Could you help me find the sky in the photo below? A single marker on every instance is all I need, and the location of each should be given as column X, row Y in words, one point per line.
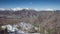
column 34, row 4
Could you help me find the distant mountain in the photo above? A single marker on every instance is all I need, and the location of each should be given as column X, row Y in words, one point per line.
column 23, row 12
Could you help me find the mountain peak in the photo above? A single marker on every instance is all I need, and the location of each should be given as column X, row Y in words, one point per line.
column 14, row 9
column 18, row 9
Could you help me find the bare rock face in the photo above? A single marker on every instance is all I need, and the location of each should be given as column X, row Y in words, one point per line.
column 28, row 27
column 24, row 28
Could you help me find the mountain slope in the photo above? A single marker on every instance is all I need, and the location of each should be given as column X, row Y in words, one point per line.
column 43, row 19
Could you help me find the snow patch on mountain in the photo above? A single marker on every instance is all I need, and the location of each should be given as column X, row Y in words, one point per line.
column 18, row 9
column 48, row 9
column 2, row 9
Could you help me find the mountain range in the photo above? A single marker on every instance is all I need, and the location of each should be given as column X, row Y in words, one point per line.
column 45, row 18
